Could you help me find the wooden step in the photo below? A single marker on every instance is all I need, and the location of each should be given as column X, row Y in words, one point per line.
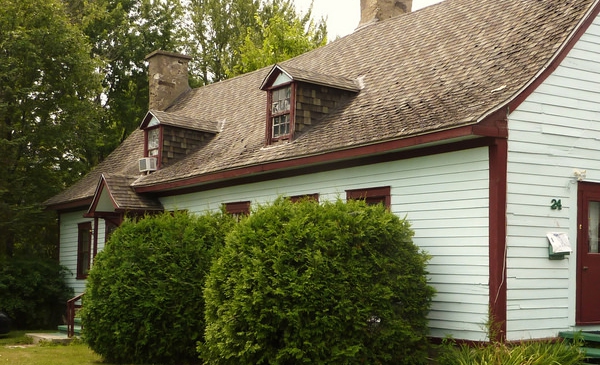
column 589, row 338
column 591, row 352
column 63, row 329
column 585, row 336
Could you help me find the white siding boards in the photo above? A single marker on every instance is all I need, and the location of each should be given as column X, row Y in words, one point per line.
column 554, row 131
column 68, row 247
column 445, row 197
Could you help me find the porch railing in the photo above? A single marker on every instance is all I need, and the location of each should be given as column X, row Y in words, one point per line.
column 72, row 307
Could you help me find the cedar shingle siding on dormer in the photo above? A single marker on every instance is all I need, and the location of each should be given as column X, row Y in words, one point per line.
column 313, row 102
column 179, row 142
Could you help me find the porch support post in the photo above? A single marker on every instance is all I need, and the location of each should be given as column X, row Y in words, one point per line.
column 95, row 251
column 498, row 156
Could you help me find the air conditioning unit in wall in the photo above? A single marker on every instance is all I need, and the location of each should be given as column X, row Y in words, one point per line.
column 147, row 164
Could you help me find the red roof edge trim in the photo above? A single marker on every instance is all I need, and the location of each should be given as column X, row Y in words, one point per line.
column 102, row 184
column 147, row 118
column 516, row 100
column 272, row 76
column 493, row 127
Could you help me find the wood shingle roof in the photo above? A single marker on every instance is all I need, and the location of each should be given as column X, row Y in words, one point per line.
column 443, row 67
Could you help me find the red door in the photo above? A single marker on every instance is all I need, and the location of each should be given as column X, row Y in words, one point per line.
column 588, row 254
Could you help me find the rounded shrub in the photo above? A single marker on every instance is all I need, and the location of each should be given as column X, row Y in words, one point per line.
column 144, row 301
column 310, row 283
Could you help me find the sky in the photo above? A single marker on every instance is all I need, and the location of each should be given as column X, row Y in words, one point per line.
column 343, row 15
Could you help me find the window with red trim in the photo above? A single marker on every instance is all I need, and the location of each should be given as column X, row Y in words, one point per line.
column 84, row 249
column 379, row 195
column 238, row 209
column 153, row 142
column 280, row 123
column 297, row 198
column 109, row 228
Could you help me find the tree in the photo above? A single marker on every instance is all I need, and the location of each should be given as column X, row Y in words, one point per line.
column 33, row 291
column 217, row 29
column 143, row 300
column 311, row 283
column 47, row 118
column 227, row 37
column 280, row 37
column 122, row 33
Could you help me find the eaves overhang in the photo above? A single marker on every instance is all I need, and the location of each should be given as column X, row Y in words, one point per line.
column 311, row 77
column 104, row 194
column 71, row 205
column 495, row 126
column 180, row 121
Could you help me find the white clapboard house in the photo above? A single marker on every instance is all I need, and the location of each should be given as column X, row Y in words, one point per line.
column 478, row 120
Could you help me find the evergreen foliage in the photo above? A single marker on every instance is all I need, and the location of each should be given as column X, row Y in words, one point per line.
column 280, row 37
column 47, row 119
column 122, row 33
column 231, row 37
column 33, row 292
column 310, row 283
column 144, row 300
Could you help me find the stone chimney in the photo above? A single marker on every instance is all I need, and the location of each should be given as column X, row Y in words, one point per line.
column 168, row 78
column 375, row 10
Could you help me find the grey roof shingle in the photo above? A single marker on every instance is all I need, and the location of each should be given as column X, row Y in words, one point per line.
column 122, row 161
column 185, row 121
column 442, row 67
column 125, row 197
column 316, row 78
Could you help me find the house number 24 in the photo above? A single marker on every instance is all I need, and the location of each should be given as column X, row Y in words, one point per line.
column 555, row 204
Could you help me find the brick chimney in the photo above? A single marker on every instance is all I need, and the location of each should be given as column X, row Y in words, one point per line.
column 168, row 78
column 375, row 10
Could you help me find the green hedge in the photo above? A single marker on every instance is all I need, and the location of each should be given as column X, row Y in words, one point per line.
column 310, row 283
column 144, row 301
column 33, row 292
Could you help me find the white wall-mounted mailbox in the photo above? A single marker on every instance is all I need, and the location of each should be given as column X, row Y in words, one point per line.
column 558, row 245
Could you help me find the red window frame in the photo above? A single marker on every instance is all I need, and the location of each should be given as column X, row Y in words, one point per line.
column 84, row 249
column 289, row 112
column 378, row 195
column 109, row 227
column 238, row 209
column 160, row 143
column 297, row 198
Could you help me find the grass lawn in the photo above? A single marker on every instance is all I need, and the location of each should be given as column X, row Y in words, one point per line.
column 15, row 349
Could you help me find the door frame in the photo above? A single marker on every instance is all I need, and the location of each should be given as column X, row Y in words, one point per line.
column 586, row 191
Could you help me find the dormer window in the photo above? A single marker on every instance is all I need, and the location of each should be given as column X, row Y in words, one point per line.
column 153, row 142
column 169, row 137
column 281, row 113
column 297, row 99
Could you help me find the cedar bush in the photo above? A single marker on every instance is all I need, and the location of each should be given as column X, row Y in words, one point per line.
column 144, row 300
column 33, row 291
column 309, row 283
